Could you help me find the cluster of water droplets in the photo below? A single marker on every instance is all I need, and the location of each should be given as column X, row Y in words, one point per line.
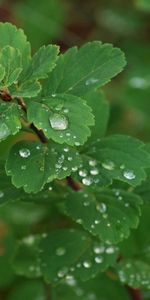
column 89, row 175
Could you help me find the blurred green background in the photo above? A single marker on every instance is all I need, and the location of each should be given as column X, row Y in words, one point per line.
column 125, row 23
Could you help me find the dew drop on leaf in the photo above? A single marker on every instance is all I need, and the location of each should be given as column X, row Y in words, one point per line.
column 98, row 259
column 87, row 181
column 87, row 264
column 92, row 163
column 101, row 207
column 24, row 152
column 91, row 81
column 60, row 251
column 4, row 131
column 108, row 165
column 94, row 172
column 1, row 194
column 129, row 174
column 58, row 122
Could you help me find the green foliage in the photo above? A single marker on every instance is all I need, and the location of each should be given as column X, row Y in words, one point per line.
column 70, row 196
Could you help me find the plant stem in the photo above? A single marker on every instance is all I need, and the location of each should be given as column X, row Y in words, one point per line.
column 134, row 293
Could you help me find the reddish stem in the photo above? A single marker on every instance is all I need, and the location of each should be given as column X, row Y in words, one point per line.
column 134, row 293
column 73, row 184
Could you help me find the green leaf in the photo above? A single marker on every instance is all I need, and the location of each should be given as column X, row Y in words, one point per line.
column 7, row 191
column 42, row 163
column 11, row 36
column 27, row 89
column 43, row 61
column 100, row 287
column 11, row 60
column 118, row 157
column 61, row 118
column 108, row 214
column 80, row 71
column 28, row 290
column 10, row 119
column 135, row 273
column 25, row 261
column 69, row 251
column 143, row 5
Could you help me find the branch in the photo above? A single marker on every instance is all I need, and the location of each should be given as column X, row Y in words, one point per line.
column 134, row 293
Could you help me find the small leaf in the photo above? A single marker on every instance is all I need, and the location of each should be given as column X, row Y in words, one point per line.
column 108, row 214
column 26, row 90
column 11, row 36
column 135, row 273
column 11, row 60
column 7, row 191
column 10, row 119
column 80, row 71
column 119, row 157
column 25, row 260
column 69, row 251
column 61, row 118
column 42, row 63
column 42, row 163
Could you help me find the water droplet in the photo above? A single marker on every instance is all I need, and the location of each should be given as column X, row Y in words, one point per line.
column 94, row 171
column 29, row 240
column 62, row 272
column 23, row 167
column 66, row 149
column 86, row 203
column 98, row 249
column 60, row 251
column 91, row 81
column 129, row 174
column 108, row 165
column 70, row 158
column 24, row 152
column 87, row 181
column 4, row 131
column 83, row 173
column 1, row 194
column 101, row 207
column 77, row 144
column 87, row 264
column 58, row 122
column 98, row 259
column 110, row 250
column 74, row 169
column 92, row 163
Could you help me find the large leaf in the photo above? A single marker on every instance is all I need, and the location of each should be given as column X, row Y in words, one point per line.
column 11, row 60
column 41, row 64
column 79, row 71
column 10, row 119
column 32, row 164
column 25, row 261
column 108, row 214
column 115, row 157
column 11, row 36
column 61, row 118
column 69, row 251
column 26, row 89
column 98, row 288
